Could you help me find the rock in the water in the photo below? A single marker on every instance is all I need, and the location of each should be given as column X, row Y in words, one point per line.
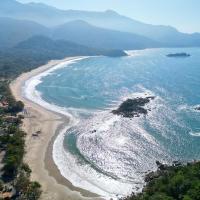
column 197, row 108
column 133, row 107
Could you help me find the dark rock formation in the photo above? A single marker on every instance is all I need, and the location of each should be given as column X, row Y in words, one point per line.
column 152, row 175
column 133, row 107
column 197, row 108
column 161, row 166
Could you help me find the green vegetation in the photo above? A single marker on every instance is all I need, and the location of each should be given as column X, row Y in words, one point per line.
column 13, row 143
column 15, row 174
column 173, row 183
column 26, row 189
column 39, row 50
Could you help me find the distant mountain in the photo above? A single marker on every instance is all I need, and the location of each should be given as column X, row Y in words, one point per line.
column 14, row 31
column 50, row 16
column 86, row 34
column 38, row 12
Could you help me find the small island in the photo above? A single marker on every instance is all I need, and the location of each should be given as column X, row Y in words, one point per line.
column 178, row 55
column 133, row 107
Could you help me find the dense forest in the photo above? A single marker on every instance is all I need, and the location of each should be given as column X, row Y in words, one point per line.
column 181, row 182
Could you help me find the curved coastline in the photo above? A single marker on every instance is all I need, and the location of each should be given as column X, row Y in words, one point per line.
column 39, row 150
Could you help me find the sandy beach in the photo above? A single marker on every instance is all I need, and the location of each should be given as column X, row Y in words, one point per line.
column 39, row 148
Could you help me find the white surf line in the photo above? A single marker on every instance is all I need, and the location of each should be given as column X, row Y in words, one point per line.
column 30, row 93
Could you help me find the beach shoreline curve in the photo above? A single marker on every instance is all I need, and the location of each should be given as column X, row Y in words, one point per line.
column 39, row 149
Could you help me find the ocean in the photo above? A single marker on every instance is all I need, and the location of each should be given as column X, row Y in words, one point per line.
column 108, row 154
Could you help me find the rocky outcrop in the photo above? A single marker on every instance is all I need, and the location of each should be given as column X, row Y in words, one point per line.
column 133, row 107
column 197, row 108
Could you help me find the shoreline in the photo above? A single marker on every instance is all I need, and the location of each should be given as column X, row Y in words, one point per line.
column 39, row 149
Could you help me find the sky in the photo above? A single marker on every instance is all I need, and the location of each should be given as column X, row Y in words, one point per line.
column 182, row 14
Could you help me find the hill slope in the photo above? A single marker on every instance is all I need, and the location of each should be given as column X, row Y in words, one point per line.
column 38, row 50
column 44, row 46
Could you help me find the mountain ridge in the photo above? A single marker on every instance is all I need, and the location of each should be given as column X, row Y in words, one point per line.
column 14, row 31
column 86, row 34
column 51, row 17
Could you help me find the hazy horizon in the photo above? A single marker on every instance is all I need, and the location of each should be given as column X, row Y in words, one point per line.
column 180, row 14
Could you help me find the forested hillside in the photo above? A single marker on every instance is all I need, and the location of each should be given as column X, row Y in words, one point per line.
column 172, row 183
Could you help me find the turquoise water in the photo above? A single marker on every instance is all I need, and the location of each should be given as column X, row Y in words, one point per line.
column 110, row 149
